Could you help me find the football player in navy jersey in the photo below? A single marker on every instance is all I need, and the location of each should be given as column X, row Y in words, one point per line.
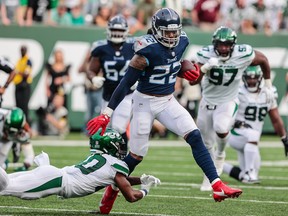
column 155, row 65
column 112, row 57
column 8, row 68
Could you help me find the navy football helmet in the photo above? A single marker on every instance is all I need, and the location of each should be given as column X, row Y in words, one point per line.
column 252, row 78
column 224, row 40
column 166, row 27
column 117, row 29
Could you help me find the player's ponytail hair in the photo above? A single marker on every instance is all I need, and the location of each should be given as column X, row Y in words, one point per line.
column 149, row 31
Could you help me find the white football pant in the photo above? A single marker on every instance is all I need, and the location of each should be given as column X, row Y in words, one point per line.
column 166, row 110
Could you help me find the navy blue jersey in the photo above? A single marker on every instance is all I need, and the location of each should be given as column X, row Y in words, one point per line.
column 113, row 63
column 159, row 76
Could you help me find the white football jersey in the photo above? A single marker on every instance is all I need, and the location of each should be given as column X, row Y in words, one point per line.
column 253, row 107
column 91, row 175
column 221, row 84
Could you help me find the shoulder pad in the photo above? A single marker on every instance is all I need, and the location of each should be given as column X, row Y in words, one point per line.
column 130, row 40
column 143, row 42
column 242, row 90
column 97, row 44
column 274, row 89
column 205, row 52
column 183, row 34
column 243, row 51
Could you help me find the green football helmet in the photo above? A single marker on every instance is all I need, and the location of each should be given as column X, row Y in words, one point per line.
column 110, row 143
column 252, row 78
column 15, row 119
column 224, row 40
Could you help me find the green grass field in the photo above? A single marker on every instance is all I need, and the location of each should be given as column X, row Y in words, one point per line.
column 179, row 192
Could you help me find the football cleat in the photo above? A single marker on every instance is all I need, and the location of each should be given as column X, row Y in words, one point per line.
column 108, row 199
column 222, row 191
column 250, row 178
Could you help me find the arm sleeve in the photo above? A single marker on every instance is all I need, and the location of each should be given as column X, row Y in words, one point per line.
column 130, row 78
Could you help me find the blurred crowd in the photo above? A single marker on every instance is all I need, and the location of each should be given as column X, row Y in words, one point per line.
column 245, row 16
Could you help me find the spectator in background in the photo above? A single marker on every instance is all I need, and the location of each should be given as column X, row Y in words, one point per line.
column 70, row 4
column 240, row 16
column 60, row 16
column 57, row 76
column 89, row 9
column 119, row 5
column 145, row 10
column 284, row 24
column 77, row 15
column 53, row 120
column 102, row 17
column 206, row 14
column 9, row 11
column 175, row 4
column 23, row 80
column 188, row 5
column 275, row 13
column 133, row 23
column 8, row 68
column 93, row 93
column 39, row 11
column 22, row 12
column 263, row 16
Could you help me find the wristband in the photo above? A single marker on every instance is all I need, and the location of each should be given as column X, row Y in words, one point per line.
column 108, row 111
column 268, row 83
column 204, row 68
column 144, row 192
column 6, row 85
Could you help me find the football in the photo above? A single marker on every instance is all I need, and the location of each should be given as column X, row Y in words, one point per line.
column 186, row 65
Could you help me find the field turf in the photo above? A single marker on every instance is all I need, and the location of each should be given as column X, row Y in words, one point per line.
column 179, row 192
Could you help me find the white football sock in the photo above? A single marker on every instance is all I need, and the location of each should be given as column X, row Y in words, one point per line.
column 227, row 168
column 221, row 144
column 251, row 152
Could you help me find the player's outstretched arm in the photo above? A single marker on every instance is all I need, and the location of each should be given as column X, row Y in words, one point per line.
column 130, row 194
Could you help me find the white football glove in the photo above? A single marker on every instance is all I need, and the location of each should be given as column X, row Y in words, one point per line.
column 148, row 181
column 22, row 136
column 212, row 62
column 268, row 91
column 98, row 81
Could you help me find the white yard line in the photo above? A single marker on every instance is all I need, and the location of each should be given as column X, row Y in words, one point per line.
column 83, row 211
column 153, row 143
column 209, row 198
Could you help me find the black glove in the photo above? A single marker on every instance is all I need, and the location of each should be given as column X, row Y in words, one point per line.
column 285, row 143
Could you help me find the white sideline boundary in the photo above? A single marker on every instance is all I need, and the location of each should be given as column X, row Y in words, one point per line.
column 153, row 143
